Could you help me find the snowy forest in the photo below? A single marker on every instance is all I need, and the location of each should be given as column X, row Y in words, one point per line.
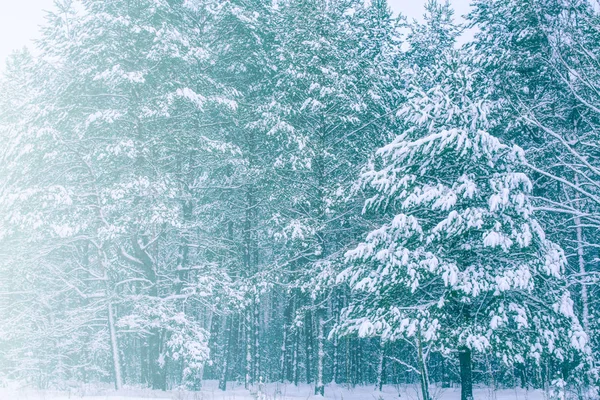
column 303, row 191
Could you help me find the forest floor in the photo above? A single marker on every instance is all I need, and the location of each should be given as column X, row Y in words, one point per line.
column 270, row 392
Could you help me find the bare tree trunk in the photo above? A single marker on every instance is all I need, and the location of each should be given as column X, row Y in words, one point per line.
column 348, row 361
column 226, row 350
column 248, row 337
column 585, row 313
column 208, row 321
column 144, row 373
column 283, row 365
column 257, row 375
column 114, row 344
column 380, row 365
column 115, row 348
column 356, row 364
column 320, row 386
column 423, row 368
column 309, row 349
column 295, row 374
column 336, row 368
column 466, row 374
column 445, row 375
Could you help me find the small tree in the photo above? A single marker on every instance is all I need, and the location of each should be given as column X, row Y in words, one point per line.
column 460, row 264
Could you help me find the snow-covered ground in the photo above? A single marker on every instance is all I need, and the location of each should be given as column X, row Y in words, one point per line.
column 270, row 392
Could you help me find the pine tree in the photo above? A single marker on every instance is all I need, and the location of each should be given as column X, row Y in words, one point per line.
column 461, row 262
column 538, row 58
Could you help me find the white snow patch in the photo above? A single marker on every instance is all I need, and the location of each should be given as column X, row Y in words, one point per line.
column 274, row 391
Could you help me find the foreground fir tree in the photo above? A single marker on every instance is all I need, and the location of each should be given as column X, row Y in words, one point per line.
column 541, row 62
column 461, row 264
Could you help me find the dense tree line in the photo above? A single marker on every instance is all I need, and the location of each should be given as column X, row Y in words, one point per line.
column 302, row 191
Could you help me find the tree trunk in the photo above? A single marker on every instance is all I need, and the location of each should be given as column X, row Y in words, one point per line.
column 466, row 374
column 423, row 368
column 282, row 358
column 320, row 386
column 257, row 375
column 155, row 363
column 348, row 362
column 248, row 337
column 145, row 378
column 356, row 364
column 309, row 349
column 296, row 376
column 336, row 367
column 114, row 344
column 445, row 374
column 585, row 313
column 287, row 316
column 227, row 345
column 115, row 348
column 380, row 365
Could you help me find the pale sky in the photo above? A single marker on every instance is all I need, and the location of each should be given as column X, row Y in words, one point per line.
column 20, row 19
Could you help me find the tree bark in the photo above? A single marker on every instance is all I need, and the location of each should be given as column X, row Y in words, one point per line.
column 466, row 374
column 248, row 337
column 295, row 375
column 226, row 350
column 336, row 367
column 284, row 363
column 154, row 360
column 320, row 386
column 380, row 365
column 309, row 349
column 585, row 313
column 115, row 348
column 423, row 368
column 257, row 340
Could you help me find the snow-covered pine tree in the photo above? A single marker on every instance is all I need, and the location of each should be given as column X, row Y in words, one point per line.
column 461, row 263
column 540, row 62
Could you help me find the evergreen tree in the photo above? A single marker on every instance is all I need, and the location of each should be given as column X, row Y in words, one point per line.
column 461, row 262
column 537, row 58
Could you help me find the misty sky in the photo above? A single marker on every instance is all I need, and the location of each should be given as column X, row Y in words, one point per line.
column 19, row 20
